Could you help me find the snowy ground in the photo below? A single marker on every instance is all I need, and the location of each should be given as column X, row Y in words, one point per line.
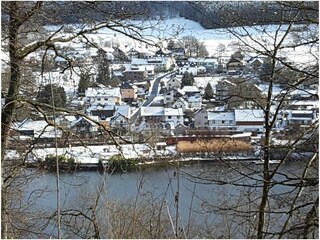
column 92, row 154
column 161, row 30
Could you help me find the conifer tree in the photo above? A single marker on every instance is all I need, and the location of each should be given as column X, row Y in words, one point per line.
column 83, row 82
column 187, row 79
column 208, row 91
column 103, row 75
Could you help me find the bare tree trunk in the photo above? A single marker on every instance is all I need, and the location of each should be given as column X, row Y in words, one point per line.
column 7, row 116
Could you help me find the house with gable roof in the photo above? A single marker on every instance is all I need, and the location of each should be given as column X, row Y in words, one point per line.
column 173, row 83
column 128, row 92
column 201, row 118
column 36, row 129
column 86, row 127
column 120, row 123
column 161, row 117
column 135, row 73
column 223, row 89
column 191, row 90
column 102, row 96
column 181, row 103
column 235, row 64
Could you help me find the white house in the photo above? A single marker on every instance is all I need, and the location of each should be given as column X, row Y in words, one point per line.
column 162, row 63
column 173, row 83
column 249, row 120
column 221, row 120
column 169, row 97
column 191, row 90
column 181, row 103
column 162, row 116
column 298, row 117
column 189, row 69
column 102, row 96
column 173, row 116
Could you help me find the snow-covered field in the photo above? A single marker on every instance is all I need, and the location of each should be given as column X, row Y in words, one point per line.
column 92, row 154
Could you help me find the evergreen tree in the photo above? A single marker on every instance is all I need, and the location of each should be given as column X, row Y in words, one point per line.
column 208, row 92
column 103, row 75
column 59, row 95
column 84, row 82
column 187, row 79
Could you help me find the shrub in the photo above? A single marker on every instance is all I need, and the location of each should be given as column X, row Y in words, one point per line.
column 50, row 161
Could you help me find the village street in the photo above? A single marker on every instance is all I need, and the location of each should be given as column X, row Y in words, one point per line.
column 153, row 93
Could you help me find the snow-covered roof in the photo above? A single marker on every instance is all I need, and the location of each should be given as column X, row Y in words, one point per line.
column 190, row 89
column 139, row 68
column 152, row 111
column 194, row 99
column 40, row 127
column 161, row 111
column 107, row 107
column 139, row 61
column 182, row 100
column 216, row 116
column 311, row 103
column 227, row 81
column 276, row 89
column 96, row 92
column 123, row 110
column 300, row 111
column 249, row 115
column 173, row 112
column 94, row 118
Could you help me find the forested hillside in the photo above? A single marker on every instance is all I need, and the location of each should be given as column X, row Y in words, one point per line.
column 209, row 14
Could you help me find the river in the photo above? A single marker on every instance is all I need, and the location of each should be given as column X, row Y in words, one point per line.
column 203, row 187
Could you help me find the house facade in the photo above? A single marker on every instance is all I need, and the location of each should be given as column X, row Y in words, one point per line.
column 249, row 120
column 86, row 127
column 162, row 117
column 235, row 64
column 128, row 92
column 221, row 120
column 181, row 103
column 201, row 118
column 135, row 73
column 299, row 118
column 173, row 83
column 102, row 96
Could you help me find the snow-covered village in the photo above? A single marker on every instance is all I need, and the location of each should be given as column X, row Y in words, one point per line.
column 154, row 97
column 159, row 119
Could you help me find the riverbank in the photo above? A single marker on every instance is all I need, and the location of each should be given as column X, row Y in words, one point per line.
column 132, row 156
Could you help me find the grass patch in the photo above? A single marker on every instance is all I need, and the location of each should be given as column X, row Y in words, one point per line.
column 214, row 145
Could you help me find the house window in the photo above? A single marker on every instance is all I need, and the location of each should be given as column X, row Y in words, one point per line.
column 106, row 99
column 169, row 117
column 222, row 122
column 98, row 99
column 213, row 122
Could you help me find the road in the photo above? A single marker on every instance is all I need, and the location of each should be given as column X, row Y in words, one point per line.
column 152, row 95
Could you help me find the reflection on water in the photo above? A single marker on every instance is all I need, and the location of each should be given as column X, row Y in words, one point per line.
column 206, row 188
